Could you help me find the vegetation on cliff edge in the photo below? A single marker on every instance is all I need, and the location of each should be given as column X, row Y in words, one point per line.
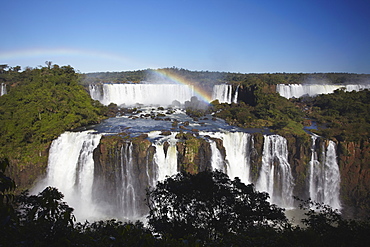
column 41, row 104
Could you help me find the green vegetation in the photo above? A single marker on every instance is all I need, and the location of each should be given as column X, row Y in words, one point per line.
column 342, row 115
column 206, row 209
column 268, row 110
column 41, row 104
column 204, row 78
column 208, row 206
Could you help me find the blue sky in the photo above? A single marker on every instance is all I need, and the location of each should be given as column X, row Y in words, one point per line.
column 236, row 36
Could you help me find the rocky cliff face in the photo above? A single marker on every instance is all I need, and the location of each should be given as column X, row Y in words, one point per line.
column 194, row 154
column 124, row 168
column 354, row 163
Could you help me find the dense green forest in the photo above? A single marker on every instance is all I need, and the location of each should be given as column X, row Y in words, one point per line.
column 41, row 104
column 205, row 209
column 212, row 77
column 342, row 115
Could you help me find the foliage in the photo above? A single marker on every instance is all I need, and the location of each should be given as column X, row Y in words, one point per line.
column 205, row 78
column 209, row 206
column 204, row 210
column 325, row 226
column 345, row 115
column 7, row 185
column 269, row 110
column 44, row 104
column 41, row 104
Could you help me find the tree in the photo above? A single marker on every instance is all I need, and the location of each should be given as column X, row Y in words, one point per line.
column 45, row 218
column 209, row 206
column 48, row 64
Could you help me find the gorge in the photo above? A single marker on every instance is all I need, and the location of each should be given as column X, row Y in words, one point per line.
column 104, row 171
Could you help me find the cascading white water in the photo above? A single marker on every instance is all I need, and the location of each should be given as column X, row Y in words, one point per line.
column 298, row 90
column 316, row 183
column 332, row 177
column 217, row 160
column 155, row 94
column 146, row 94
column 235, row 98
column 3, row 89
column 127, row 194
column 166, row 161
column 224, row 93
column 237, row 146
column 324, row 179
column 275, row 175
column 71, row 170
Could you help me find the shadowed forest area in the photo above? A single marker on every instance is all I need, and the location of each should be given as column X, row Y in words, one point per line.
column 205, row 209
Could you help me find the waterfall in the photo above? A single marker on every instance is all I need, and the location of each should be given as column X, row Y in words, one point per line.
column 332, row 177
column 235, row 99
column 224, row 94
column 324, row 177
column 71, row 169
column 217, row 160
column 316, row 178
column 275, row 175
column 237, row 147
column 166, row 160
column 116, row 187
column 3, row 89
column 146, row 94
column 299, row 90
column 127, row 194
column 155, row 94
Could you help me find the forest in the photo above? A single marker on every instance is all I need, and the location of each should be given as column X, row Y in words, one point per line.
column 214, row 77
column 205, row 209
column 40, row 105
column 44, row 102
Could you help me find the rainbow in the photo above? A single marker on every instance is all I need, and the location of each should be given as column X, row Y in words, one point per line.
column 173, row 77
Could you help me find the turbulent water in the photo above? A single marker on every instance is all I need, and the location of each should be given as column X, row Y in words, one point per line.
column 299, row 90
column 146, row 94
column 324, row 177
column 120, row 191
column 71, row 169
column 155, row 94
column 276, row 176
column 225, row 94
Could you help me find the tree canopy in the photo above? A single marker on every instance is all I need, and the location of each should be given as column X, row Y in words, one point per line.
column 40, row 105
column 208, row 206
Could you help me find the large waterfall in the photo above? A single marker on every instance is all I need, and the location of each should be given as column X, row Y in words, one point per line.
column 324, row 176
column 298, row 90
column 102, row 178
column 71, row 170
column 146, row 94
column 156, row 94
column 117, row 188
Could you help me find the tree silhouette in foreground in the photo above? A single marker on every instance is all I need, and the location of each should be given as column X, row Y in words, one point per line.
column 209, row 206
